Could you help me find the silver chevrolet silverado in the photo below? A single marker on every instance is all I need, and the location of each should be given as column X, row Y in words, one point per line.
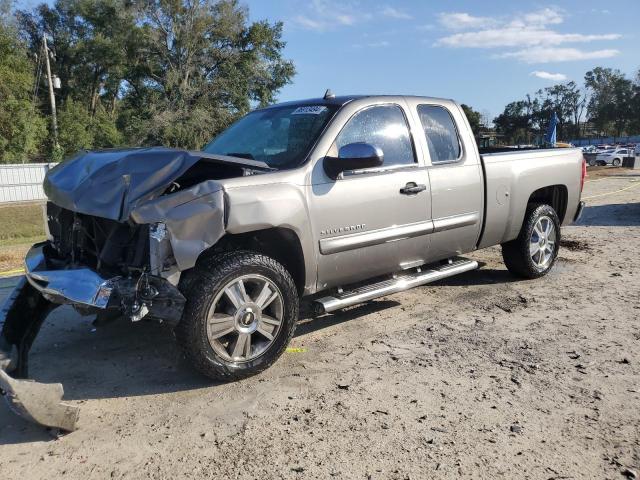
column 336, row 200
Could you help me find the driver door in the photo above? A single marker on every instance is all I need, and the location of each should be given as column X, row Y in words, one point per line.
column 372, row 222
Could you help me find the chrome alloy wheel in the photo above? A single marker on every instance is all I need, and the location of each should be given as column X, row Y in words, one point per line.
column 245, row 318
column 542, row 243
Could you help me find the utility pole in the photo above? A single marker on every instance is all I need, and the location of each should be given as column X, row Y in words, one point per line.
column 52, row 98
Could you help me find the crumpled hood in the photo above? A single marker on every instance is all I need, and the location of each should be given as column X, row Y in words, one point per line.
column 111, row 183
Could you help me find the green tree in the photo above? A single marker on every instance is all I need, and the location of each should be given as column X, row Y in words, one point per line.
column 635, row 106
column 22, row 128
column 79, row 129
column 567, row 101
column 205, row 66
column 474, row 119
column 92, row 40
column 515, row 122
column 610, row 105
column 172, row 72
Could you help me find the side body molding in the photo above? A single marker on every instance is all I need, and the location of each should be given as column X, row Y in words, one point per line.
column 365, row 239
column 455, row 221
column 374, row 237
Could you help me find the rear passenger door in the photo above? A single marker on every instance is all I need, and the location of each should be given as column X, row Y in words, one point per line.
column 455, row 173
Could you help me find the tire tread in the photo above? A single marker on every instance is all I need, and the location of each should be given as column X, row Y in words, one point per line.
column 515, row 253
column 209, row 276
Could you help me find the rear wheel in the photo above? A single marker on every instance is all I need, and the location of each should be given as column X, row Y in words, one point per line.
column 616, row 162
column 534, row 252
column 240, row 314
column 592, row 162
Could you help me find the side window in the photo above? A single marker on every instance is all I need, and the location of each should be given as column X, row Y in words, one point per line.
column 441, row 133
column 384, row 127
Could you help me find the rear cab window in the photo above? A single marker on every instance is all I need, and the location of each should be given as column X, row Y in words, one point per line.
column 441, row 134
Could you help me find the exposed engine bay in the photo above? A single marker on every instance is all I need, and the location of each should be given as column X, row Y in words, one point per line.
column 107, row 246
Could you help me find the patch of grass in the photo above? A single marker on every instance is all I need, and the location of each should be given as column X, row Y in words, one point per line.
column 12, row 257
column 21, row 224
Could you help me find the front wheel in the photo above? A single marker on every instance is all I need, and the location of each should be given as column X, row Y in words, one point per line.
column 240, row 315
column 616, row 162
column 534, row 252
column 592, row 162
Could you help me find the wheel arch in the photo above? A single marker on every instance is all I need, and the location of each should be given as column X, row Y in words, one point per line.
column 280, row 243
column 554, row 195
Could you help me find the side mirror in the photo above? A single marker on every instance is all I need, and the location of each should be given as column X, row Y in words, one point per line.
column 354, row 156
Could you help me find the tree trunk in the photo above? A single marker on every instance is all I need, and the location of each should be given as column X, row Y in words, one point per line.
column 113, row 105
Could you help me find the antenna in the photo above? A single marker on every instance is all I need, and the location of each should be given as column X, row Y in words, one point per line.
column 328, row 94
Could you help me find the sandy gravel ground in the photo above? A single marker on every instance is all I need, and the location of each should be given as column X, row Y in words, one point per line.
column 477, row 376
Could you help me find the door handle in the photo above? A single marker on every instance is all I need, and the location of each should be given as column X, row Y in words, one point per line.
column 412, row 188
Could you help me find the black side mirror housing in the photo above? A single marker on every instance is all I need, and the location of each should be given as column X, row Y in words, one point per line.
column 353, row 156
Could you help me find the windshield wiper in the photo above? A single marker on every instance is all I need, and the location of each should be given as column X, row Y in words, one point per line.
column 247, row 156
column 233, row 159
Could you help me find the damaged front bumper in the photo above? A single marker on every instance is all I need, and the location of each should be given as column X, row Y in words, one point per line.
column 39, row 403
column 78, row 285
column 21, row 317
column 89, row 292
column 46, row 286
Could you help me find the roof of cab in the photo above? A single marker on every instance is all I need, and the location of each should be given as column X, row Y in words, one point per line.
column 341, row 100
column 344, row 99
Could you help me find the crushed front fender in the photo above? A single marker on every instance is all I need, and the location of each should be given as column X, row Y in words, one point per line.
column 21, row 317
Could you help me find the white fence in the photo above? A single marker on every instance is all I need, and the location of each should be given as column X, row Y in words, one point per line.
column 22, row 182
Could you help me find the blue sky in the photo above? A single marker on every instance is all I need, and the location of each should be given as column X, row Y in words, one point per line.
column 481, row 52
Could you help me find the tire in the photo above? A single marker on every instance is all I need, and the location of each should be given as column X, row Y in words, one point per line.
column 224, row 294
column 592, row 162
column 616, row 162
column 517, row 253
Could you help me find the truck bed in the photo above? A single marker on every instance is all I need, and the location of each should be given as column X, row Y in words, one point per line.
column 512, row 178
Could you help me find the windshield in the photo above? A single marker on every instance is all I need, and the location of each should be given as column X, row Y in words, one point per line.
column 281, row 137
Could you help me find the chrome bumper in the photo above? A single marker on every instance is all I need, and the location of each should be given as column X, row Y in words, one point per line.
column 74, row 285
column 83, row 287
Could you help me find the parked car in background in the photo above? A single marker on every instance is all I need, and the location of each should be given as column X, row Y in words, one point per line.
column 612, row 157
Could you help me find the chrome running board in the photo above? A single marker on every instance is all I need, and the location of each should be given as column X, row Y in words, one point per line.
column 398, row 283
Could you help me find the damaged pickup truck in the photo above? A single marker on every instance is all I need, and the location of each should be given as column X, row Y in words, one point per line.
column 339, row 200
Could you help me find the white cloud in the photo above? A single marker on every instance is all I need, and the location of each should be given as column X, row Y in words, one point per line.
column 395, row 13
column 345, row 19
column 322, row 15
column 308, row 23
column 546, row 16
column 553, row 55
column 532, row 35
column 510, row 36
column 556, row 77
column 382, row 43
column 463, row 21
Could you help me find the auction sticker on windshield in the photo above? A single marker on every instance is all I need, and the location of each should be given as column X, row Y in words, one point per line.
column 309, row 110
